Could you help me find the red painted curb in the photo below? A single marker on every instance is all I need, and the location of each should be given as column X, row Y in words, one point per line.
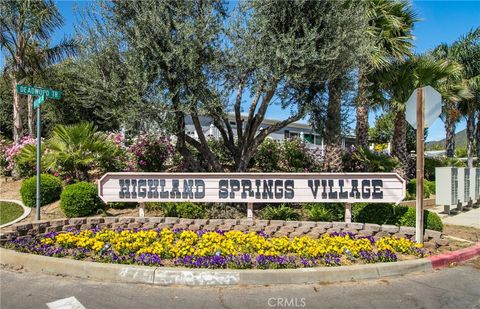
column 445, row 259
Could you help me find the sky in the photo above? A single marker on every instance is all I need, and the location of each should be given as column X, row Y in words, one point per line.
column 441, row 22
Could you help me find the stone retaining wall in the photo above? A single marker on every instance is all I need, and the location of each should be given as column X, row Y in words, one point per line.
column 277, row 228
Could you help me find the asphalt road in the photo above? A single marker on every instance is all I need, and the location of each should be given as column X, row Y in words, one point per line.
column 457, row 287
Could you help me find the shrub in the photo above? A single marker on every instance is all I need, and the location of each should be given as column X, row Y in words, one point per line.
column 428, row 189
column 80, row 199
column 190, row 210
column 280, row 212
column 375, row 213
column 318, row 212
column 431, row 220
column 151, row 151
column 297, row 157
column 363, row 160
column 50, row 189
column 268, row 156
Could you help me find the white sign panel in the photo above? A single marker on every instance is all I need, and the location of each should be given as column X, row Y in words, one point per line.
column 252, row 187
column 432, row 106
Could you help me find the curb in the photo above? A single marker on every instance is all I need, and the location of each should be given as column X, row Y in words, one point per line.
column 445, row 259
column 204, row 277
column 26, row 212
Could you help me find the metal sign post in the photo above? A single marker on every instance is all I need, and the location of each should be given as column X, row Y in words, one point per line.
column 42, row 94
column 37, row 103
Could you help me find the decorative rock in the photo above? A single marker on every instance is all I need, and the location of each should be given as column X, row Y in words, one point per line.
column 313, row 235
column 69, row 227
column 165, row 225
column 216, row 222
column 350, row 230
column 225, row 227
column 240, row 227
column 392, row 229
column 59, row 222
column 77, row 221
column 179, row 226
column 372, row 227
column 296, row 234
column 246, row 222
column 308, row 223
column 339, row 225
column 254, row 228
column 194, row 227
column 23, row 227
column 288, row 229
column 135, row 225
column 433, row 234
column 210, row 227
column 110, row 220
column 430, row 245
column 271, row 228
column 277, row 223
column 141, row 220
column 281, row 233
column 200, row 222
column 51, row 229
column 304, row 229
column 292, row 223
column 95, row 220
column 381, row 234
column 231, row 222
column 85, row 226
column 401, row 235
column 318, row 229
column 333, row 230
column 172, row 220
column 407, row 230
column 157, row 220
column 442, row 242
column 325, row 225
column 186, row 221
column 262, row 222
column 366, row 233
column 355, row 226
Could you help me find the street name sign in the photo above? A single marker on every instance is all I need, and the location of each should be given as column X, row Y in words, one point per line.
column 252, row 187
column 30, row 90
column 432, row 106
column 39, row 101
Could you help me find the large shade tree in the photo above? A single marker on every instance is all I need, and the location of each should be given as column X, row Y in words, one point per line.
column 199, row 62
column 25, row 26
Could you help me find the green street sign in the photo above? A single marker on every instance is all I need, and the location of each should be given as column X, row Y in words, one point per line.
column 39, row 101
column 30, row 90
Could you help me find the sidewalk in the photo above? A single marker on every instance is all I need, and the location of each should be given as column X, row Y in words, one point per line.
column 469, row 218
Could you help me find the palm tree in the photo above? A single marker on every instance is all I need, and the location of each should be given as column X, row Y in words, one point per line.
column 390, row 26
column 401, row 79
column 466, row 51
column 23, row 25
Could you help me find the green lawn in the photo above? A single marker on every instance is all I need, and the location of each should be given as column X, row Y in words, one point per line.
column 9, row 211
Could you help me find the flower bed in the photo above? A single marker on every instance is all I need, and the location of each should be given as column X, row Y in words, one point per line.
column 216, row 249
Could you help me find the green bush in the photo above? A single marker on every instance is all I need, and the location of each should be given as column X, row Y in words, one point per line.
column 190, row 210
column 364, row 160
column 280, row 212
column 431, row 220
column 50, row 189
column 80, row 199
column 375, row 213
column 318, row 212
column 268, row 156
column 297, row 157
column 428, row 189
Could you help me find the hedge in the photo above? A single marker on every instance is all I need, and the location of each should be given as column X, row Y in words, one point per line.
column 50, row 189
column 80, row 199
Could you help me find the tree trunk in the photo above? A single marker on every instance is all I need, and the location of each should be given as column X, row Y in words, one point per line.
column 478, row 138
column 450, row 125
column 17, row 113
column 31, row 130
column 362, row 113
column 332, row 161
column 470, row 137
column 400, row 143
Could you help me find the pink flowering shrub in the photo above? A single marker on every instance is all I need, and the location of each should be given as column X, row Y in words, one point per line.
column 150, row 152
column 9, row 154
